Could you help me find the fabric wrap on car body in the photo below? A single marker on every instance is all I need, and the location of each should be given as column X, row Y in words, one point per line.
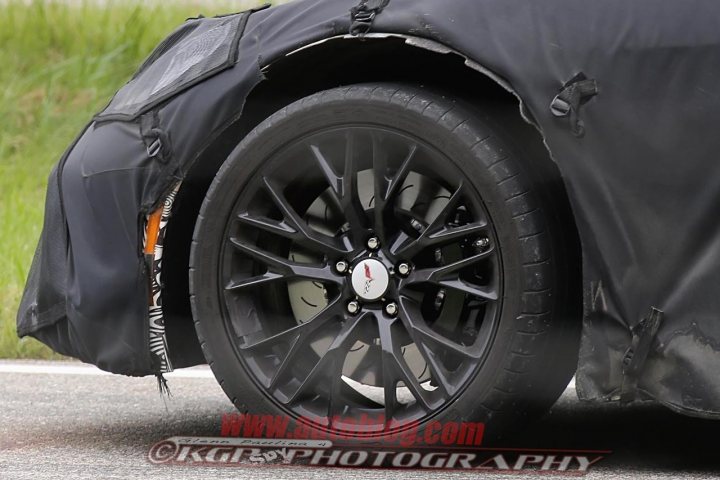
column 642, row 178
column 97, row 282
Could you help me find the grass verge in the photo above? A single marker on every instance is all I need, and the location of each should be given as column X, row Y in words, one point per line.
column 61, row 62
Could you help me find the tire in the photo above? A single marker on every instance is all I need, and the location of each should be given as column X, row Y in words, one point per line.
column 529, row 333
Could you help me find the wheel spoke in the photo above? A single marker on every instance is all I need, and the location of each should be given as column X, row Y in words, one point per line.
column 343, row 187
column 437, row 232
column 400, row 239
column 336, row 406
column 421, row 333
column 298, row 337
column 389, row 372
column 385, row 188
column 486, row 292
column 331, row 362
column 454, row 267
column 451, row 234
column 304, row 330
column 285, row 267
column 350, row 200
column 380, row 168
column 401, row 174
column 253, row 282
column 395, row 369
column 269, row 225
column 448, row 276
column 333, row 179
column 293, row 227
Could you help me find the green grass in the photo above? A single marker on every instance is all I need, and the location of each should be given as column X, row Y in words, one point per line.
column 60, row 62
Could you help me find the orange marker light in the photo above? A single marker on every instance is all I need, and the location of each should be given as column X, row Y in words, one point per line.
column 152, row 229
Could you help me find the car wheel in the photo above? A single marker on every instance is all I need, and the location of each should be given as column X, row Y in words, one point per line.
column 382, row 251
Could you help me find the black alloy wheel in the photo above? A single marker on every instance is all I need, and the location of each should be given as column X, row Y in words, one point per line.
column 359, row 257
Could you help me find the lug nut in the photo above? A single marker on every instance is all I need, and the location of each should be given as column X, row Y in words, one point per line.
column 439, row 299
column 373, row 243
column 482, row 243
column 391, row 309
column 404, row 269
column 353, row 307
column 342, row 266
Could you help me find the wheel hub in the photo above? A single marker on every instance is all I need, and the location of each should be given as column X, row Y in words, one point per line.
column 370, row 279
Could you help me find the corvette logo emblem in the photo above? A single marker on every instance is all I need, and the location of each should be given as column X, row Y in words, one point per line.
column 368, row 279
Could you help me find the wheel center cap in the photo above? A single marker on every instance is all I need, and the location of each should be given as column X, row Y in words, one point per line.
column 370, row 279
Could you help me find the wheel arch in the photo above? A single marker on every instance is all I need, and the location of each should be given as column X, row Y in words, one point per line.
column 327, row 64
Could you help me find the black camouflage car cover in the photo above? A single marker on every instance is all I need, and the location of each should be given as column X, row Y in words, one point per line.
column 625, row 94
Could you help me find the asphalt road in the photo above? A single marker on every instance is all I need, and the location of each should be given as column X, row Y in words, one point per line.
column 81, row 425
